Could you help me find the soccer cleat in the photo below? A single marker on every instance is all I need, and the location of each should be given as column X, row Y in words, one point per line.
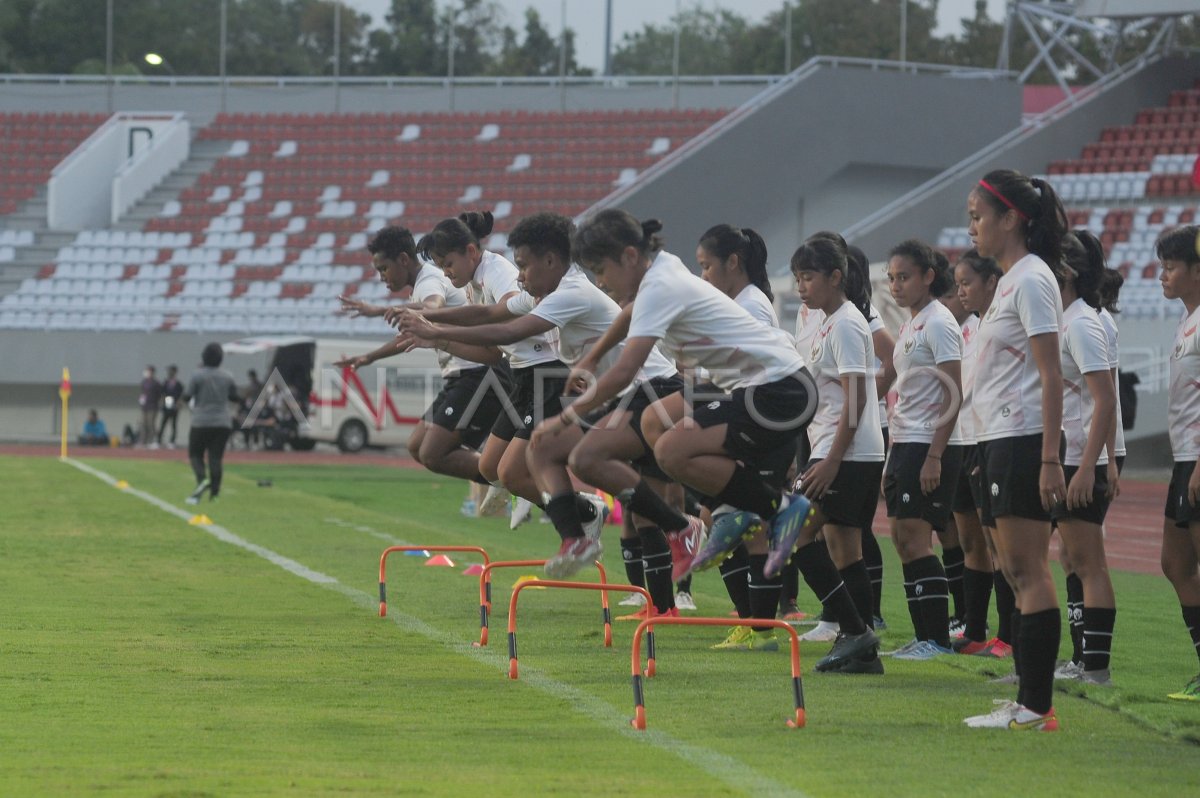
column 684, row 601
column 763, row 641
column 649, row 612
column 634, row 600
column 904, row 649
column 785, row 532
column 198, row 493
column 969, row 647
column 790, row 612
column 846, row 647
column 728, row 531
column 868, row 664
column 823, row 632
column 572, row 555
column 997, row 648
column 685, row 544
column 738, row 640
column 957, row 628
column 878, row 623
column 922, row 651
column 1190, row 691
column 522, row 510
column 494, row 501
column 998, row 718
column 1068, row 672
column 1025, row 719
column 1101, row 677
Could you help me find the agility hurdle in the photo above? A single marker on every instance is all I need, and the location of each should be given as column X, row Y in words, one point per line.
column 602, row 586
column 383, row 565
column 647, row 626
column 485, row 596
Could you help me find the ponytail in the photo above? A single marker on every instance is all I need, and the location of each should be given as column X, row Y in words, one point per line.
column 826, row 253
column 724, row 241
column 455, row 235
column 925, row 258
column 1043, row 218
column 609, row 232
column 1084, row 255
column 1110, row 290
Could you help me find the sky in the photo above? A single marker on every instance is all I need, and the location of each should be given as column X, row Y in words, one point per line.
column 586, row 17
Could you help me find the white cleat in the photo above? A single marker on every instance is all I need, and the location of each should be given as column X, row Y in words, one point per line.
column 493, row 503
column 522, row 511
column 823, row 632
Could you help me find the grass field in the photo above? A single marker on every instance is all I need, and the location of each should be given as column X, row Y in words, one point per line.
column 146, row 656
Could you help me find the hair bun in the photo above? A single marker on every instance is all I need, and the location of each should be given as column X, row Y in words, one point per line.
column 480, row 223
column 650, row 228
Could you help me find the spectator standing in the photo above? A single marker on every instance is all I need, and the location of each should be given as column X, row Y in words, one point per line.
column 172, row 392
column 148, row 399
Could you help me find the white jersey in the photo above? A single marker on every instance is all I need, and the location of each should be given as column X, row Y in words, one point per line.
column 1183, row 401
column 842, row 345
column 432, row 282
column 964, row 430
column 876, row 324
column 755, row 302
column 1114, row 362
column 495, row 278
column 926, row 340
column 583, row 313
column 1084, row 347
column 808, row 324
column 700, row 326
column 1008, row 386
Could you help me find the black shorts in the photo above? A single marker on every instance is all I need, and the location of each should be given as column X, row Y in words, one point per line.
column 469, row 406
column 635, row 402
column 1009, row 472
column 852, row 498
column 762, row 418
column 1178, row 508
column 1094, row 513
column 902, row 484
column 964, row 494
column 1120, row 463
column 537, row 394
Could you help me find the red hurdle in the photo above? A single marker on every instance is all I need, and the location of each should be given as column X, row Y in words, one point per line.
column 383, row 565
column 639, row 704
column 485, row 596
column 602, row 586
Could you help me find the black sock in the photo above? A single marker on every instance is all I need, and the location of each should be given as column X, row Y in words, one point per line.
column 933, row 599
column 1040, row 635
column 873, row 558
column 858, row 583
column 684, row 585
column 1014, row 624
column 790, row 575
column 1098, row 623
column 631, row 554
column 1191, row 617
column 587, row 510
column 823, row 579
column 764, row 593
column 1006, row 606
column 1075, row 615
column 952, row 562
column 735, row 571
column 914, row 608
column 643, row 501
column 656, row 559
column 747, row 491
column 564, row 514
column 977, row 595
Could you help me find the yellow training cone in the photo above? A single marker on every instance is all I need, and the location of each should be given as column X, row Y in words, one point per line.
column 200, row 520
column 527, row 578
column 122, row 485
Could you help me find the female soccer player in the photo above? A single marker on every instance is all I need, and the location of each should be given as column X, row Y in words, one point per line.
column 1179, row 252
column 922, row 465
column 447, row 439
column 1020, row 222
column 1089, row 418
column 976, row 278
column 538, row 377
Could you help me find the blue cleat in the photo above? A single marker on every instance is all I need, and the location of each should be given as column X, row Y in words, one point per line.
column 728, row 531
column 785, row 531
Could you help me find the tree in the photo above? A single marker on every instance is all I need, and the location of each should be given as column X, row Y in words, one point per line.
column 410, row 44
column 707, row 40
column 538, row 54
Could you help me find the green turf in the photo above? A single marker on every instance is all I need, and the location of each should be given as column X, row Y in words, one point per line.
column 142, row 656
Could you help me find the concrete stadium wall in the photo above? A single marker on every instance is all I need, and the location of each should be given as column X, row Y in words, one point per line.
column 832, row 148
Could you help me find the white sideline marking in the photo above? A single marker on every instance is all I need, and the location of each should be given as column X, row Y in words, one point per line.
column 732, row 772
column 386, row 538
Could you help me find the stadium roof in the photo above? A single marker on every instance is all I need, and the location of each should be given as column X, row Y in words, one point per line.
column 1135, row 8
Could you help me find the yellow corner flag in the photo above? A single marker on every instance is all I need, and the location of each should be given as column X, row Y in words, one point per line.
column 64, row 393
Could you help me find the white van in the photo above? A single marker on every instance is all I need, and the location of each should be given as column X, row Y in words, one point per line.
column 375, row 406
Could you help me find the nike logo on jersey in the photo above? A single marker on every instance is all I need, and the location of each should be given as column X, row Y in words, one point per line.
column 1005, row 292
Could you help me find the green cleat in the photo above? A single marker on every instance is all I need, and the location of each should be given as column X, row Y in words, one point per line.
column 1190, row 692
column 728, row 531
column 738, row 640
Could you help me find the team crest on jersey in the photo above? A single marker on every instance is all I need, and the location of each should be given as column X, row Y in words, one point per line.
column 991, row 314
column 816, row 352
column 1005, row 412
column 1179, row 350
column 908, row 345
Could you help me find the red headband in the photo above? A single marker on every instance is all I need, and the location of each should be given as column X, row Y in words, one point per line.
column 1003, row 199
